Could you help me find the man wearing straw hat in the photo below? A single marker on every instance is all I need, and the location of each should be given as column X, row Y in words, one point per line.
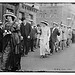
column 44, row 39
column 25, row 31
column 53, row 37
column 11, row 53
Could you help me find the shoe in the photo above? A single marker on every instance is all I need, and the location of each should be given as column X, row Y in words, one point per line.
column 25, row 55
column 44, row 56
column 41, row 56
column 48, row 54
column 32, row 51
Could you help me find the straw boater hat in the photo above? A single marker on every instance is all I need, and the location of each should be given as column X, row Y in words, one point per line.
column 10, row 14
column 30, row 20
column 69, row 26
column 54, row 23
column 61, row 25
column 45, row 22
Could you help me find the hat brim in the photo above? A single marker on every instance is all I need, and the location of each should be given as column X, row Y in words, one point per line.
column 13, row 16
column 55, row 23
column 30, row 20
column 45, row 23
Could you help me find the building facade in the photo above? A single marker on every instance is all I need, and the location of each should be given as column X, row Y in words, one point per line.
column 29, row 12
column 56, row 13
column 20, row 10
column 4, row 8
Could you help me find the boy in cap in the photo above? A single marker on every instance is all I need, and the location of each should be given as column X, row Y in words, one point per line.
column 25, row 31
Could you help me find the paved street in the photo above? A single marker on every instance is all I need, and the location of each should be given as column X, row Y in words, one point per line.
column 63, row 60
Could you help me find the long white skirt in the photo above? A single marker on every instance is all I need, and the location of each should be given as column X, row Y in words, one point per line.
column 44, row 47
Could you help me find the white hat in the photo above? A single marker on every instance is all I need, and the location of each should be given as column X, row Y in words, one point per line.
column 69, row 26
column 62, row 24
column 10, row 14
column 30, row 20
column 45, row 22
column 54, row 23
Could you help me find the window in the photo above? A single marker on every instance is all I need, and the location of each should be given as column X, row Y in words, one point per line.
column 9, row 10
column 30, row 16
column 21, row 15
column 23, row 6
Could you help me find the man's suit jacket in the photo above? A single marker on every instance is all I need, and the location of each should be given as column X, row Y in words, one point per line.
column 22, row 30
column 51, row 34
column 54, row 34
column 25, row 30
column 32, row 33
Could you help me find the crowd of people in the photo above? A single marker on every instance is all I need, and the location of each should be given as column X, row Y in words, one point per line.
column 54, row 39
column 17, row 38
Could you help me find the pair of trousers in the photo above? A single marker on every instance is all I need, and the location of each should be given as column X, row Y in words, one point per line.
column 16, row 64
column 26, row 45
column 35, row 42
column 52, row 46
column 1, row 46
column 31, row 44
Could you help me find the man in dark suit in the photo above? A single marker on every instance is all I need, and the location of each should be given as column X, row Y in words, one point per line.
column 32, row 34
column 53, row 38
column 25, row 32
column 50, row 42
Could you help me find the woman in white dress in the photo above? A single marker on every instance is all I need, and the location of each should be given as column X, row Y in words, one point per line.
column 44, row 39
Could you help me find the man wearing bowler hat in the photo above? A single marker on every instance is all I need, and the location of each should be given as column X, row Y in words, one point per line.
column 25, row 32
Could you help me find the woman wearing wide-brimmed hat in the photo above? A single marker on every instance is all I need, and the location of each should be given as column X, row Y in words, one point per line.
column 11, row 43
column 44, row 39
